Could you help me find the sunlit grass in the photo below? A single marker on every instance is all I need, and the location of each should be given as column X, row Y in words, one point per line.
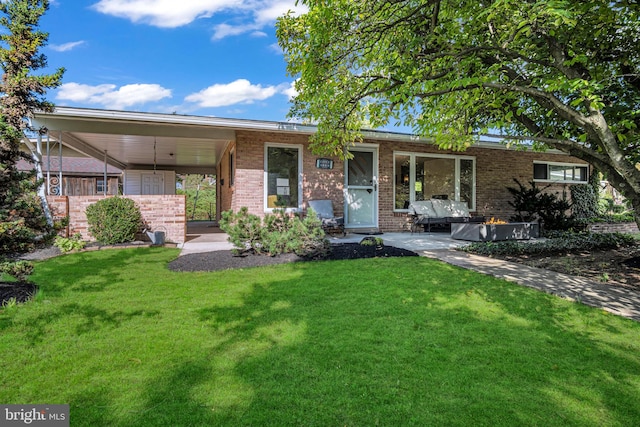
column 405, row 341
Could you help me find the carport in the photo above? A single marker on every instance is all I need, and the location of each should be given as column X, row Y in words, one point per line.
column 145, row 146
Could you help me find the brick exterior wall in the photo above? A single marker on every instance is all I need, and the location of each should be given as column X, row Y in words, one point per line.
column 249, row 188
column 496, row 169
column 159, row 213
column 623, row 227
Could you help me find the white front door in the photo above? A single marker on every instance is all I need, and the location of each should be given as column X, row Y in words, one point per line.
column 152, row 184
column 361, row 189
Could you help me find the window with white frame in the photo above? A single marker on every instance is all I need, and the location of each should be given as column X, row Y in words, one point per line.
column 560, row 172
column 283, row 171
column 100, row 186
column 425, row 176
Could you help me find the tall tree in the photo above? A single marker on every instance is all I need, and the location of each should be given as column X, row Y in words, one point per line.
column 22, row 219
column 547, row 74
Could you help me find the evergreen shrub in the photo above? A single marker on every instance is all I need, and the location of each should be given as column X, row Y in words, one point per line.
column 114, row 220
column 276, row 234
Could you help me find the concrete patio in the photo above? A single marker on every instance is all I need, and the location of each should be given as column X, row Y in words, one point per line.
column 206, row 237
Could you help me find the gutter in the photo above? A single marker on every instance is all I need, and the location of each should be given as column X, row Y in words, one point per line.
column 238, row 124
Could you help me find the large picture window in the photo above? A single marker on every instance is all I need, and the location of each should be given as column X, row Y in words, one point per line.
column 423, row 177
column 560, row 172
column 283, row 169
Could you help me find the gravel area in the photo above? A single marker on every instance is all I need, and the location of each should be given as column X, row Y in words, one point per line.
column 42, row 254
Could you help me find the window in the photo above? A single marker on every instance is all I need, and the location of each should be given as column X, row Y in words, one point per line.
column 283, row 169
column 423, row 176
column 560, row 172
column 100, row 187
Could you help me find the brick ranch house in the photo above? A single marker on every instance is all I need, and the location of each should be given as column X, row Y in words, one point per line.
column 263, row 165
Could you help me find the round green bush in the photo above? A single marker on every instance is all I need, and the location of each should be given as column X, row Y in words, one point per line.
column 114, row 220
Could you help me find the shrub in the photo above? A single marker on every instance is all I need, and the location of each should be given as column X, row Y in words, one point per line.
column 372, row 241
column 114, row 220
column 615, row 218
column 276, row 234
column 557, row 242
column 532, row 204
column 69, row 244
column 243, row 229
column 18, row 269
column 584, row 202
column 308, row 239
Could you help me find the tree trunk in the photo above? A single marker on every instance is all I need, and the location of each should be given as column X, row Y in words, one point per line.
column 635, row 204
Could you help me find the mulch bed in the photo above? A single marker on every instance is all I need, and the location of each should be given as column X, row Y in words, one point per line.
column 225, row 260
column 21, row 291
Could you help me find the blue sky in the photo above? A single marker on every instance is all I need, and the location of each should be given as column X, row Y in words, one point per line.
column 201, row 57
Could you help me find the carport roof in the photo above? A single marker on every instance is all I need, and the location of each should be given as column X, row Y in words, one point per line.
column 127, row 139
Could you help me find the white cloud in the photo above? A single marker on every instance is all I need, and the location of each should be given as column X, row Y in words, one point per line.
column 275, row 47
column 112, row 97
column 225, row 30
column 66, row 46
column 274, row 9
column 289, row 89
column 250, row 15
column 164, row 13
column 240, row 91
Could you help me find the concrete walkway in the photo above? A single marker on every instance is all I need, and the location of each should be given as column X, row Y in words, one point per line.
column 618, row 300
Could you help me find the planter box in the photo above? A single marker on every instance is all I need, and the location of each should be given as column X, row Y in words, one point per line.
column 493, row 232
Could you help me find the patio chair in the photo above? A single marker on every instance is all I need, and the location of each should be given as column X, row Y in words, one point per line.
column 324, row 210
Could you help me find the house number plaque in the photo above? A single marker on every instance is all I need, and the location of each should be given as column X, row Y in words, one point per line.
column 324, row 163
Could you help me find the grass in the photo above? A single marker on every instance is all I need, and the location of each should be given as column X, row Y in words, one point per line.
column 398, row 341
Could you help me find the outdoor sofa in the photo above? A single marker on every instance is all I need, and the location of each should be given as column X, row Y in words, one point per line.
column 441, row 212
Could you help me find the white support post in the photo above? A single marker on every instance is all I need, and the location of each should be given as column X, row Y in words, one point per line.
column 60, row 163
column 48, row 182
column 37, row 157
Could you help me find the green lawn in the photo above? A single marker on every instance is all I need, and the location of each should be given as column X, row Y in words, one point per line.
column 404, row 341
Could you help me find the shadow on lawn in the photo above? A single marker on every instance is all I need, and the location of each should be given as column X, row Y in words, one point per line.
column 420, row 351
column 89, row 273
column 88, row 319
column 85, row 273
column 360, row 342
column 168, row 402
column 170, row 399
